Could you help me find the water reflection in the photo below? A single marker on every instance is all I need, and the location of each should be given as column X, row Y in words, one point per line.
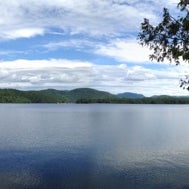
column 94, row 146
column 48, row 170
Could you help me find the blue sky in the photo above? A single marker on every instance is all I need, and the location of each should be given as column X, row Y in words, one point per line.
column 65, row 44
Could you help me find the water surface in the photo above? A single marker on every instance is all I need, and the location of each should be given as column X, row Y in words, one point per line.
column 94, row 146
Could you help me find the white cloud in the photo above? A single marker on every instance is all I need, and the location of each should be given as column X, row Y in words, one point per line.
column 125, row 51
column 22, row 33
column 92, row 17
column 128, row 51
column 66, row 74
column 72, row 43
column 122, row 50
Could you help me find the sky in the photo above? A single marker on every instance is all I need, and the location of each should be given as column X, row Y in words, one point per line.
column 67, row 44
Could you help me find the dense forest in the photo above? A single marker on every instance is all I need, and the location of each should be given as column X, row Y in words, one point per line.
column 145, row 100
column 82, row 95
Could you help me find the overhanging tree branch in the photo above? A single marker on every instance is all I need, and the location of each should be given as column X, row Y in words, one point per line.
column 169, row 39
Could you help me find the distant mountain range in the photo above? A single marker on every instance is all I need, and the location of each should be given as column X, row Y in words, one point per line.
column 130, row 95
column 84, row 95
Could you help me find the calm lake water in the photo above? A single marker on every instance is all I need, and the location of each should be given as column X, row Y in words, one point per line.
column 67, row 146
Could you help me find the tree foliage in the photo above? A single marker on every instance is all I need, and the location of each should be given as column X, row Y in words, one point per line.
column 170, row 38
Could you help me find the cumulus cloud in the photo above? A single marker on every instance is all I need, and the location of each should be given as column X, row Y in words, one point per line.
column 129, row 51
column 22, row 33
column 65, row 74
column 92, row 17
column 122, row 50
column 125, row 51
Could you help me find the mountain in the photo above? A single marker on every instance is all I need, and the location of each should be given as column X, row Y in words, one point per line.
column 78, row 94
column 130, row 95
column 168, row 96
column 52, row 95
column 87, row 93
column 84, row 95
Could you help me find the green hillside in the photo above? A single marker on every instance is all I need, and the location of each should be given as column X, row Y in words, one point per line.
column 78, row 94
column 81, row 95
column 51, row 95
column 13, row 96
column 87, row 93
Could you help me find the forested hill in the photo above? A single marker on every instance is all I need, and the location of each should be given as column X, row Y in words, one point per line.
column 80, row 93
column 83, row 95
column 130, row 95
column 52, row 95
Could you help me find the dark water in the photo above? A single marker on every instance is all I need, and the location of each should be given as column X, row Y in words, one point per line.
column 94, row 146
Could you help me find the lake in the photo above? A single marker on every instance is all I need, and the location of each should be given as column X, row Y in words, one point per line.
column 94, row 146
